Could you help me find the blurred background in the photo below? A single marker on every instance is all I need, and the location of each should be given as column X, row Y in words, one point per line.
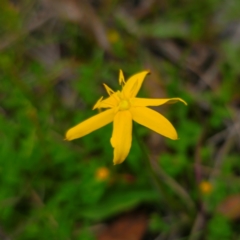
column 54, row 57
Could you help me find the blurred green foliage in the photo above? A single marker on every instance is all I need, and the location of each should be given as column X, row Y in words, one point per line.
column 50, row 78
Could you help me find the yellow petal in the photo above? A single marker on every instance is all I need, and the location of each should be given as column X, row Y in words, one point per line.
column 133, row 84
column 110, row 102
column 90, row 125
column 121, row 77
column 144, row 102
column 122, row 136
column 153, row 120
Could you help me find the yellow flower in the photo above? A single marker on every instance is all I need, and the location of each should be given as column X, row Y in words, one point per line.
column 205, row 187
column 123, row 107
column 102, row 173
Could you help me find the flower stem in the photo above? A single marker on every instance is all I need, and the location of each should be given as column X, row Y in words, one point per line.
column 159, row 176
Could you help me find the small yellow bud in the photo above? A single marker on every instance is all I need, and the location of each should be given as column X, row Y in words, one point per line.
column 102, row 173
column 205, row 187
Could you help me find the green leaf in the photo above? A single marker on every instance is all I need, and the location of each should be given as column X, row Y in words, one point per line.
column 118, row 202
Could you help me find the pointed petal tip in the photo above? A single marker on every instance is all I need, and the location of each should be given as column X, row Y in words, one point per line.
column 118, row 161
column 174, row 135
column 134, row 83
column 105, row 86
column 181, row 100
column 154, row 121
column 108, row 89
column 147, row 72
column 121, row 79
column 97, row 103
column 67, row 137
column 89, row 125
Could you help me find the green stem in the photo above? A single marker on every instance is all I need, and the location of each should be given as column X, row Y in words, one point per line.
column 154, row 179
column 159, row 176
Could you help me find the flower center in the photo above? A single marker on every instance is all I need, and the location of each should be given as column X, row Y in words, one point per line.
column 124, row 105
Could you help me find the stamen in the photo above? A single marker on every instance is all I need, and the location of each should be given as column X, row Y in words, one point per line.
column 97, row 103
column 108, row 89
column 121, row 78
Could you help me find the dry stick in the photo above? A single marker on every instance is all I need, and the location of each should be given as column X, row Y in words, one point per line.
column 200, row 219
column 207, row 170
column 173, row 185
column 35, row 23
column 40, row 204
column 219, row 158
column 197, row 158
column 152, row 174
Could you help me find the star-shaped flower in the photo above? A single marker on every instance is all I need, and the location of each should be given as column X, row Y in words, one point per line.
column 123, row 107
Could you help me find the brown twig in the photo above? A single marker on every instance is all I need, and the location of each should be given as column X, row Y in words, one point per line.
column 37, row 21
column 178, row 189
